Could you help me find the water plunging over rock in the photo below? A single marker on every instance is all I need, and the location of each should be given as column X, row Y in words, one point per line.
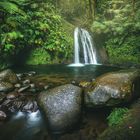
column 84, row 49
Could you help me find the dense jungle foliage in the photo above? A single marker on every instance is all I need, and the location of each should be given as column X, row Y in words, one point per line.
column 119, row 21
column 40, row 31
column 34, row 27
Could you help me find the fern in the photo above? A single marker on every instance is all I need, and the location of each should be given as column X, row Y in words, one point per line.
column 117, row 116
column 11, row 8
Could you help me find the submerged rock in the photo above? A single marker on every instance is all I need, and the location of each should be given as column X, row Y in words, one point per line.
column 113, row 88
column 8, row 76
column 5, row 86
column 62, row 106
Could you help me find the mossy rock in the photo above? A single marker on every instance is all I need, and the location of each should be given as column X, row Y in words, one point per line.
column 113, row 88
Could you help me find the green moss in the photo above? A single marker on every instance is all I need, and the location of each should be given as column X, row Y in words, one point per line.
column 116, row 116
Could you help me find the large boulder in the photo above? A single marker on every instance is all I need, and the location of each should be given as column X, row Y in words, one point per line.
column 62, row 107
column 113, row 88
column 8, row 76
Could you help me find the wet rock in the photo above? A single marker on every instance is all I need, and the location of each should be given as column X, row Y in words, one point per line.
column 84, row 84
column 32, row 86
column 20, row 75
column 2, row 97
column 2, row 115
column 43, row 80
column 6, row 103
column 26, row 82
column 12, row 95
column 5, row 86
column 46, row 87
column 17, row 85
column 62, row 106
column 16, row 105
column 31, row 73
column 30, row 106
column 22, row 89
column 113, row 88
column 8, row 76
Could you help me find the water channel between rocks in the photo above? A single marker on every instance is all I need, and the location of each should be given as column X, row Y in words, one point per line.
column 32, row 126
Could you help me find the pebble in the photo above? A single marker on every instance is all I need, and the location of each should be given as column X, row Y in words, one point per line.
column 12, row 95
column 23, row 88
column 17, row 85
column 25, row 82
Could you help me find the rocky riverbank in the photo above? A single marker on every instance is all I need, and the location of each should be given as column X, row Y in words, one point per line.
column 64, row 103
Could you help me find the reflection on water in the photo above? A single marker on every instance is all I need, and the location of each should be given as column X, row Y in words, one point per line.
column 75, row 73
column 18, row 115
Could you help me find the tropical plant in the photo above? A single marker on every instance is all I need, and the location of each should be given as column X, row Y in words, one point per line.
column 117, row 116
column 119, row 22
column 32, row 24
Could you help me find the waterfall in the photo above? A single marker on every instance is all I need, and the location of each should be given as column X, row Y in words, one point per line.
column 84, row 48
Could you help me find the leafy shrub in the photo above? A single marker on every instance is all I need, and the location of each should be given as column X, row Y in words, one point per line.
column 38, row 56
column 119, row 22
column 116, row 116
column 32, row 24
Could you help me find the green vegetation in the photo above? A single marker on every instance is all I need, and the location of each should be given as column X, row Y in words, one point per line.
column 119, row 22
column 116, row 116
column 32, row 24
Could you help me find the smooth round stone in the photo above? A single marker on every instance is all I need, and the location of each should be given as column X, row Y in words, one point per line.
column 62, row 107
column 12, row 95
column 22, row 89
column 25, row 82
column 17, row 85
column 32, row 86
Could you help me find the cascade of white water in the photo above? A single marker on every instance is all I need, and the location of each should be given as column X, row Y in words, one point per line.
column 76, row 46
column 84, row 40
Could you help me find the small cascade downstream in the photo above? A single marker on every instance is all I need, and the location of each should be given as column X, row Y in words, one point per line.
column 84, row 48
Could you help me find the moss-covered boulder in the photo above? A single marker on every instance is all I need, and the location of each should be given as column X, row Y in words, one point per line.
column 62, row 107
column 113, row 88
